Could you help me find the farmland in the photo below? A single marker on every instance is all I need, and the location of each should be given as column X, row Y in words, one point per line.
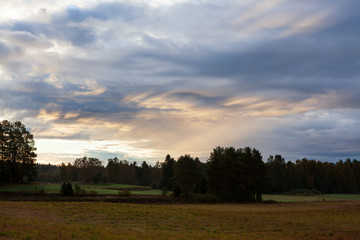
column 110, row 189
column 311, row 198
column 101, row 220
column 114, row 189
column 323, row 216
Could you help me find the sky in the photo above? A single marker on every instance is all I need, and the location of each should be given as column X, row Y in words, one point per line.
column 139, row 79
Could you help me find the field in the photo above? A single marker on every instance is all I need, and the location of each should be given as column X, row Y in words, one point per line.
column 312, row 198
column 114, row 189
column 101, row 220
column 111, row 189
column 327, row 216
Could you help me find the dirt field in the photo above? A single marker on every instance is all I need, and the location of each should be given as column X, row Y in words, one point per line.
column 100, row 220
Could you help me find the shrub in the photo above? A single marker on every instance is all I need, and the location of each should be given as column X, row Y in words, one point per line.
column 79, row 190
column 125, row 193
column 204, row 198
column 40, row 191
column 66, row 189
column 258, row 197
column 164, row 192
column 93, row 192
column 177, row 191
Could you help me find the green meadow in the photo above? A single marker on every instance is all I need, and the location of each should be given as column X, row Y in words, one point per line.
column 114, row 189
column 107, row 189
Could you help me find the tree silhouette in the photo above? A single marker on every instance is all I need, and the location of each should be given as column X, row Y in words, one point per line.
column 66, row 189
column 89, row 169
column 236, row 174
column 17, row 153
column 187, row 174
column 145, row 174
column 168, row 170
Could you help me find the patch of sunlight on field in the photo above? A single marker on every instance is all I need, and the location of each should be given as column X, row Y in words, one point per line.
column 147, row 192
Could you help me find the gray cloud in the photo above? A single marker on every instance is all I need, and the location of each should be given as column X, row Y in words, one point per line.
column 4, row 50
column 197, row 98
column 227, row 72
column 60, row 30
column 324, row 135
column 67, row 26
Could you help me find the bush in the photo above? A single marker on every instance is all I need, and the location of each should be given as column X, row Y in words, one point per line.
column 164, row 192
column 204, row 198
column 66, row 189
column 125, row 193
column 177, row 191
column 40, row 191
column 93, row 192
column 79, row 190
column 258, row 197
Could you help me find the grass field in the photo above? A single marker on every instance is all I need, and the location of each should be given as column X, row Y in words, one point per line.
column 113, row 189
column 98, row 188
column 100, row 220
column 312, row 198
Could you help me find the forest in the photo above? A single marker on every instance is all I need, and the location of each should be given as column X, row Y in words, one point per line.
column 192, row 176
column 229, row 173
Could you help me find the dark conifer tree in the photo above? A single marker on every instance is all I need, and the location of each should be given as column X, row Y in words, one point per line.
column 168, row 170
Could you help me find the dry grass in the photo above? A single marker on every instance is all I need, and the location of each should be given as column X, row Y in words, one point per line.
column 312, row 198
column 100, row 220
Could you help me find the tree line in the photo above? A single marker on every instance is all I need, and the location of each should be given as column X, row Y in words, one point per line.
column 230, row 174
column 325, row 177
column 92, row 170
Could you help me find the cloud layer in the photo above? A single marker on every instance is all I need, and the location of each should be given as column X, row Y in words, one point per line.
column 154, row 77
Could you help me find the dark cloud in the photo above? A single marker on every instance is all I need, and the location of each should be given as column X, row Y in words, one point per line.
column 197, row 99
column 312, row 64
column 305, row 64
column 4, row 50
column 36, row 95
column 104, row 11
column 322, row 135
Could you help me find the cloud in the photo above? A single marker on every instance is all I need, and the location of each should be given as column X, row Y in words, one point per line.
column 322, row 135
column 183, row 76
column 25, row 40
column 4, row 50
column 72, row 23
